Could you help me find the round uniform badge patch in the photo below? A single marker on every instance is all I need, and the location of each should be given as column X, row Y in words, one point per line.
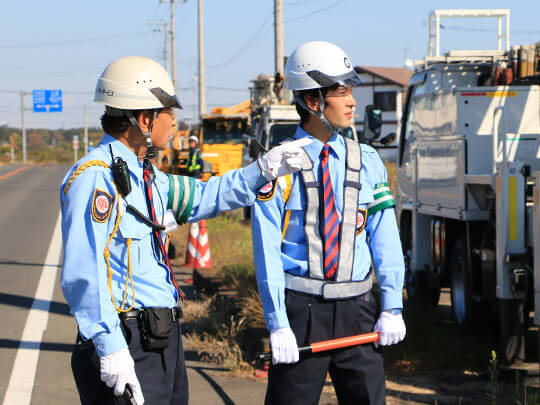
column 101, row 205
column 360, row 220
column 267, row 191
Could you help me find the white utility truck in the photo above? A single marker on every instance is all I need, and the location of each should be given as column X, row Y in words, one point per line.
column 469, row 183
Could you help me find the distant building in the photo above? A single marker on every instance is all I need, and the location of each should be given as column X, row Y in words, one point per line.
column 384, row 87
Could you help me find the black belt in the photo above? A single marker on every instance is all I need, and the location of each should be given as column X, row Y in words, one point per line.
column 176, row 314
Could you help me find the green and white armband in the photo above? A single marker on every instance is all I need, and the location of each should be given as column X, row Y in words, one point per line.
column 382, row 199
column 181, row 196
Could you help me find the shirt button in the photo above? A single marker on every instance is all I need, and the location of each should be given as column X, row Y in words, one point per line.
column 100, row 346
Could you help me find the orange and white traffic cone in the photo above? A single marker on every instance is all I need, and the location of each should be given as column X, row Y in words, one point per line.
column 191, row 251
column 202, row 258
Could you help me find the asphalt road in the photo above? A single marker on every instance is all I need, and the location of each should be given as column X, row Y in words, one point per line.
column 36, row 329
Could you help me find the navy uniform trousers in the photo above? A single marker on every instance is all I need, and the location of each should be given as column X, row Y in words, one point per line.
column 357, row 372
column 162, row 374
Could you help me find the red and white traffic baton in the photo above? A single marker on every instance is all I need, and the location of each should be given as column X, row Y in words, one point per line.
column 330, row 344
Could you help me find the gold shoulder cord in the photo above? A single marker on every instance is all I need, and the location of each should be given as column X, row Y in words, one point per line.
column 106, row 252
column 286, row 195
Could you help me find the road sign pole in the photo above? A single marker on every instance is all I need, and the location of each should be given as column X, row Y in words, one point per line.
column 23, row 129
column 85, row 130
column 76, row 147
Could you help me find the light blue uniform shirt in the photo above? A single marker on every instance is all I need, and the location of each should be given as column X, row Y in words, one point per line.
column 84, row 273
column 378, row 242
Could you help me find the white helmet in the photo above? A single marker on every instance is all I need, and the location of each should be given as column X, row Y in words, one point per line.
column 135, row 83
column 318, row 64
column 193, row 138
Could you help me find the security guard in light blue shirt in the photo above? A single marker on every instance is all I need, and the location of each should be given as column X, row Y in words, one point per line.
column 373, row 220
column 86, row 237
column 116, row 211
column 318, row 237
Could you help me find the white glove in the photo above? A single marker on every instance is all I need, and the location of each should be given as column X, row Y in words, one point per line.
column 117, row 370
column 391, row 328
column 283, row 345
column 283, row 159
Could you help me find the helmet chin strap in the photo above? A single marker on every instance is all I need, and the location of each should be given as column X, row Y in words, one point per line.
column 319, row 113
column 150, row 151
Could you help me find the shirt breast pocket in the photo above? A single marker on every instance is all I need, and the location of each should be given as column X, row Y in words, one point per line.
column 140, row 250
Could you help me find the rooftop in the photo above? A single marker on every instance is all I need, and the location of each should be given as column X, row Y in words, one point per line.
column 399, row 76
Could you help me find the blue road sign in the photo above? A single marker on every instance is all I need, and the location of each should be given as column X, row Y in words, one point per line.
column 47, row 100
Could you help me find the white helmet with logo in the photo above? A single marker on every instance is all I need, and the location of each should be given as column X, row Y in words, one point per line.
column 318, row 64
column 315, row 65
column 135, row 83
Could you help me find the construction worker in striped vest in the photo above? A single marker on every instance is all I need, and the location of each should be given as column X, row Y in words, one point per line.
column 117, row 209
column 324, row 231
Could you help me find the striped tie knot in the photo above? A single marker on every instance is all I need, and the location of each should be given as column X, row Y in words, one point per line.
column 325, row 152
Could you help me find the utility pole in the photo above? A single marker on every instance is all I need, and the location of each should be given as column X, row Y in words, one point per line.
column 163, row 26
column 23, row 129
column 279, row 42
column 85, row 130
column 202, row 78
column 173, row 47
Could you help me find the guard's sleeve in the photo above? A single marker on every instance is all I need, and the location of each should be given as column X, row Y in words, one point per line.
column 86, row 226
column 192, row 200
column 384, row 241
column 266, row 220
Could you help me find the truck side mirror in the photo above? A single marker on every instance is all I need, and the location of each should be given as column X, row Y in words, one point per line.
column 372, row 123
column 388, row 139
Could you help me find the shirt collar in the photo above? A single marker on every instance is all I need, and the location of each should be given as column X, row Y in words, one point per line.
column 314, row 149
column 121, row 150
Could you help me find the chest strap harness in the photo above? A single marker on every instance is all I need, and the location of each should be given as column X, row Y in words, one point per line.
column 343, row 287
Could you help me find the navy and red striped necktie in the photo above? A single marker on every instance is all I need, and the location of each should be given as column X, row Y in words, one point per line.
column 330, row 224
column 148, row 176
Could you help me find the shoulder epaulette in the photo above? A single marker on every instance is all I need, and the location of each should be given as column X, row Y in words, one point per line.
column 81, row 169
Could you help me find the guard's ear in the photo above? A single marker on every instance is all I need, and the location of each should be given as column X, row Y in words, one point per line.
column 312, row 102
column 145, row 119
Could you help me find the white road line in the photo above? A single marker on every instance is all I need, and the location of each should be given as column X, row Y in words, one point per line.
column 23, row 375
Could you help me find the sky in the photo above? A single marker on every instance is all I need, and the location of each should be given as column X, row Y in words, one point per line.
column 66, row 44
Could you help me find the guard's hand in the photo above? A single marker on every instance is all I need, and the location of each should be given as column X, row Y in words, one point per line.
column 283, row 345
column 283, row 159
column 391, row 328
column 117, row 370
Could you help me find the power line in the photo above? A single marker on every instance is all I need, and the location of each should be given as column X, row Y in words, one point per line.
column 244, row 47
column 72, row 41
column 258, row 34
column 226, row 88
column 316, row 11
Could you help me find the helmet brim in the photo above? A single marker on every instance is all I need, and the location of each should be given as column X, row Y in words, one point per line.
column 349, row 79
column 167, row 100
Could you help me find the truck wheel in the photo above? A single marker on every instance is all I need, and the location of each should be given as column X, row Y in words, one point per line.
column 512, row 330
column 460, row 284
